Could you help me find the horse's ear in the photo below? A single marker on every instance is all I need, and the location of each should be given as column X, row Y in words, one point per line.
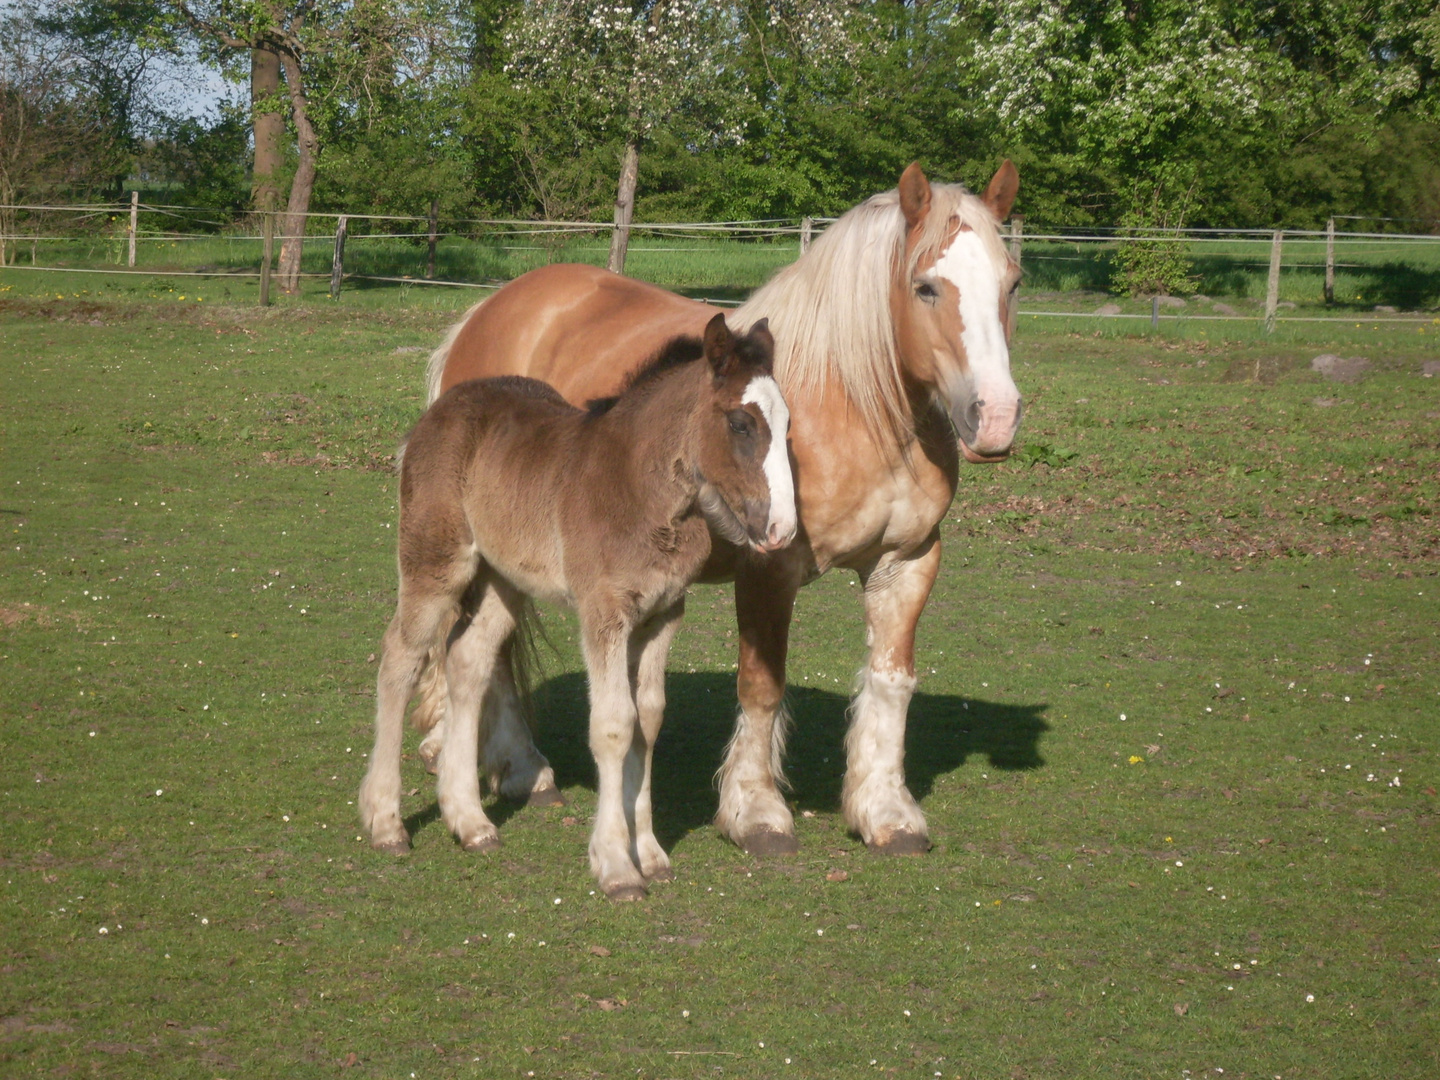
column 1000, row 192
column 914, row 194
column 761, row 346
column 719, row 346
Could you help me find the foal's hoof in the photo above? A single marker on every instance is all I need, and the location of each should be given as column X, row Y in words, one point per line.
column 545, row 796
column 481, row 844
column 626, row 892
column 392, row 847
column 430, row 759
column 769, row 842
column 900, row 842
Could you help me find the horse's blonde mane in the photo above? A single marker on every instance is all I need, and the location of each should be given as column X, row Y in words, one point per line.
column 830, row 310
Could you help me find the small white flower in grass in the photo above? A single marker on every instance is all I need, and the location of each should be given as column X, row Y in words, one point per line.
column 1179, row 863
column 557, row 899
column 284, row 817
column 685, row 1013
column 1122, row 716
column 1347, row 698
column 104, row 930
column 159, row 792
column 819, row 933
column 907, row 1012
column 1310, row 997
column 510, row 935
column 204, row 922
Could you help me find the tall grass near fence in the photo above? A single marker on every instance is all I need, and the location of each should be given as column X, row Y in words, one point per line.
column 1175, row 736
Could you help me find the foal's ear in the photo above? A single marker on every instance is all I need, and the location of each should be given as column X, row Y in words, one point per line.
column 914, row 194
column 719, row 346
column 760, row 347
column 1000, row 192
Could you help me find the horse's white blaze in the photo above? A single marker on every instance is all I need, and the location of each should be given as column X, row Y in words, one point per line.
column 764, row 392
column 967, row 265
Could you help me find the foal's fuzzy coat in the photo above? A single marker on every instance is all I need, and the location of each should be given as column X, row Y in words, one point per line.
column 508, row 492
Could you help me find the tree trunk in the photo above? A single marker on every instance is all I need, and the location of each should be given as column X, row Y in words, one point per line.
column 625, row 204
column 268, row 124
column 303, row 184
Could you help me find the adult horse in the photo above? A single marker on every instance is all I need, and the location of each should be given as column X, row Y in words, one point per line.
column 891, row 338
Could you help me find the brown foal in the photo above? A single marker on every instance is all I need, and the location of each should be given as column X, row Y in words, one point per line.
column 508, row 493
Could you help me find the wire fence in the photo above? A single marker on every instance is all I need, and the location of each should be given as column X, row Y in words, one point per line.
column 1394, row 274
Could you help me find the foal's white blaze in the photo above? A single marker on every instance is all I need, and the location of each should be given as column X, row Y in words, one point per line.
column 764, row 392
column 967, row 265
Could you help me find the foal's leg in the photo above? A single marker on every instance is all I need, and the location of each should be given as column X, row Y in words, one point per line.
column 475, row 646
column 877, row 803
column 649, row 652
column 419, row 617
column 612, row 727
column 752, row 811
column 515, row 768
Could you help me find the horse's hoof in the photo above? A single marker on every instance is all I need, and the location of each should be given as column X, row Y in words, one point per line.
column 431, row 760
column 901, row 842
column 769, row 842
column 664, row 873
column 546, row 796
column 626, row 892
column 482, row 844
column 392, row 847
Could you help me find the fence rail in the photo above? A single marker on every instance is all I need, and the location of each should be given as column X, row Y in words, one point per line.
column 485, row 252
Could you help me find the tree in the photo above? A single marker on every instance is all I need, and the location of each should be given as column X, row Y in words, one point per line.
column 54, row 138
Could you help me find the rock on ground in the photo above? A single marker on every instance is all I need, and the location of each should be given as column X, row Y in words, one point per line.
column 1338, row 368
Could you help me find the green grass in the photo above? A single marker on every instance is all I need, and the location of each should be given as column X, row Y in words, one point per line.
column 199, row 563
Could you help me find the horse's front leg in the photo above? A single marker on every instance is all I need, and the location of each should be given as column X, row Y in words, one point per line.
column 648, row 654
column 612, row 728
column 878, row 806
column 752, row 811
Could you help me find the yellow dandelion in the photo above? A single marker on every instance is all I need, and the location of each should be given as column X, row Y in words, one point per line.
column 1136, row 759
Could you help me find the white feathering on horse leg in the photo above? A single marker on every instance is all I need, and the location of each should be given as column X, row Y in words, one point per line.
column 513, row 766
column 750, row 779
column 877, row 804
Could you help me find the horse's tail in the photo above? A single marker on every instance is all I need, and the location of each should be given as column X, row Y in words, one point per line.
column 523, row 658
column 435, row 367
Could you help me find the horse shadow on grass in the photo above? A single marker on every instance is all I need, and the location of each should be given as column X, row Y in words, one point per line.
column 944, row 731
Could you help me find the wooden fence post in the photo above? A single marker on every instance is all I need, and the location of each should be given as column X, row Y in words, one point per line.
column 1330, row 261
column 434, row 225
column 1272, row 287
column 807, row 230
column 337, row 263
column 134, row 222
column 267, row 254
column 1017, row 236
column 1155, row 312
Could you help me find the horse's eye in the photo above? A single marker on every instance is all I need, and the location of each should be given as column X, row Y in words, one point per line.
column 740, row 423
column 927, row 292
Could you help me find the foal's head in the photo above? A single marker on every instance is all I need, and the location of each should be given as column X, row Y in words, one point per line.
column 747, row 488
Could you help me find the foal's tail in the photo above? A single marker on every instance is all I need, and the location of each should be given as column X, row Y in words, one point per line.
column 435, row 368
column 523, row 657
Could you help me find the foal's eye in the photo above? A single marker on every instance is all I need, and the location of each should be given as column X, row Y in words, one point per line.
column 927, row 292
column 740, row 423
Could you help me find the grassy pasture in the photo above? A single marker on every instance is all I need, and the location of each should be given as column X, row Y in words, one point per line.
column 1183, row 646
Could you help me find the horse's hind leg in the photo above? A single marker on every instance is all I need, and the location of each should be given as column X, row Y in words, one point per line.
column 877, row 803
column 475, row 646
column 516, row 769
column 752, row 811
column 648, row 656
column 418, row 619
